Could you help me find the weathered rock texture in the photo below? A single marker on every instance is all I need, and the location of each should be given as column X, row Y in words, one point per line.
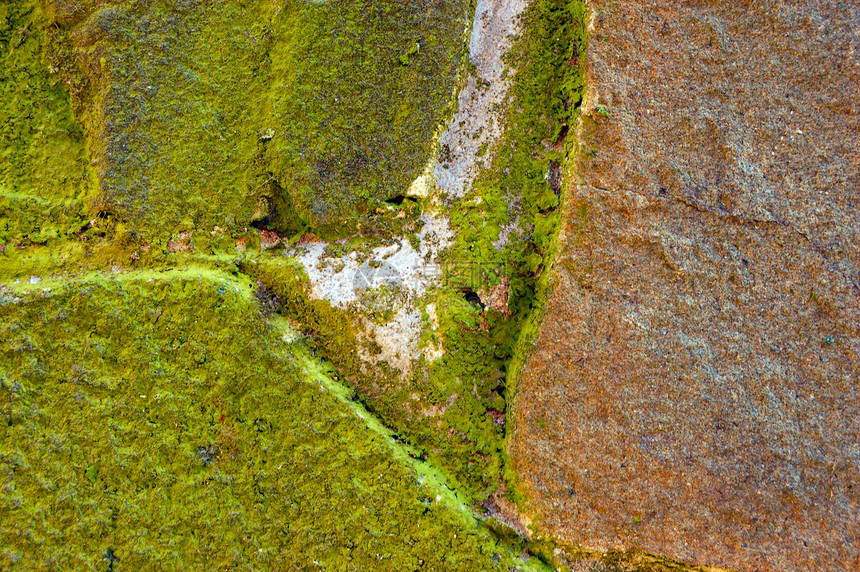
column 693, row 390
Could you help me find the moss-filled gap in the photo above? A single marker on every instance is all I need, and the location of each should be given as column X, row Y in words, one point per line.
column 549, row 98
column 507, row 224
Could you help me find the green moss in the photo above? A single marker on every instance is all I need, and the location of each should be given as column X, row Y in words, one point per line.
column 455, row 419
column 332, row 329
column 358, row 89
column 300, row 117
column 293, row 115
column 483, row 348
column 43, row 159
column 131, row 430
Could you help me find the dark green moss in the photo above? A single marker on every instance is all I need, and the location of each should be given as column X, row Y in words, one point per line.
column 293, row 115
column 564, row 72
column 466, row 385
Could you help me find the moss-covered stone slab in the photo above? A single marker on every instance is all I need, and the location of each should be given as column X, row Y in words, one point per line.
column 285, row 114
column 160, row 419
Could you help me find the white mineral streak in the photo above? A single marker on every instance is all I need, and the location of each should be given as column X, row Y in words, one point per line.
column 478, row 122
column 337, row 280
column 398, row 339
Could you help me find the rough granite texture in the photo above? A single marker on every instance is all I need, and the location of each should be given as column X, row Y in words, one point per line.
column 693, row 390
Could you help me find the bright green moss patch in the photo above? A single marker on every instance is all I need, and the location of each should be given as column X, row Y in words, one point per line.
column 133, row 434
column 43, row 160
column 521, row 188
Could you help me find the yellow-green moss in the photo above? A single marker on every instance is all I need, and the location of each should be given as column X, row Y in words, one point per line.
column 161, row 421
column 358, row 89
column 463, row 441
column 43, row 159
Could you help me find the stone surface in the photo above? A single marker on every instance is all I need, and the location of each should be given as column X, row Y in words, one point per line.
column 693, row 390
column 204, row 208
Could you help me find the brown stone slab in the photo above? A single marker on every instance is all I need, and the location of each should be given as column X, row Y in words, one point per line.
column 693, row 390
